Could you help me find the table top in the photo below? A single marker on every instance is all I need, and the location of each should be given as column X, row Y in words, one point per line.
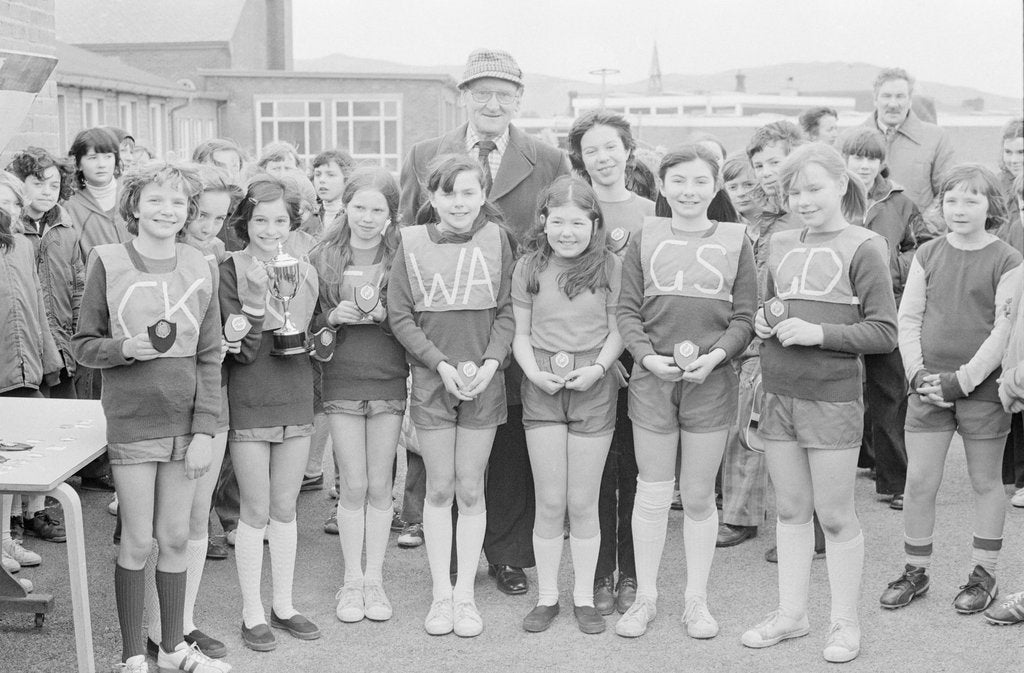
column 64, row 434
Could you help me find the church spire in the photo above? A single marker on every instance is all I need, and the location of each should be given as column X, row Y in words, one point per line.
column 654, row 78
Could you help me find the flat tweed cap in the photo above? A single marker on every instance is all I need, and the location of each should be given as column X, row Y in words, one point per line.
column 491, row 63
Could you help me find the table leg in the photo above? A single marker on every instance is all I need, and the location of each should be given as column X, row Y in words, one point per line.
column 77, row 575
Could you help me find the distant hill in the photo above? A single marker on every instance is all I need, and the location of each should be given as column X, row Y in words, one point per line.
column 546, row 95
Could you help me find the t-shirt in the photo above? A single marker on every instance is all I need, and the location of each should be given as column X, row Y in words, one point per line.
column 627, row 215
column 558, row 323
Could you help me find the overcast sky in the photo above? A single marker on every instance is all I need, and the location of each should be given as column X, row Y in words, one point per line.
column 976, row 43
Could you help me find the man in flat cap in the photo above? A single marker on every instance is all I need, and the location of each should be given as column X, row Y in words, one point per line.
column 517, row 167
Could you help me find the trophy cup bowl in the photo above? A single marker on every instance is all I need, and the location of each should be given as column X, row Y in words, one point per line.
column 283, row 272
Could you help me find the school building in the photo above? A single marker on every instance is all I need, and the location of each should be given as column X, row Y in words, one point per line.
column 174, row 74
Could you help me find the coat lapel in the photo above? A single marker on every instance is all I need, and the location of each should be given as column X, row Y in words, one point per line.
column 516, row 164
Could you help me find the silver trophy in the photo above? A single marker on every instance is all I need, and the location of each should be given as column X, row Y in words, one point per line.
column 283, row 271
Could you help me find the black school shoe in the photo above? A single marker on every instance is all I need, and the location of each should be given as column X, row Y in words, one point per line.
column 588, row 619
column 259, row 638
column 211, row 647
column 604, row 594
column 509, row 579
column 297, row 625
column 540, row 618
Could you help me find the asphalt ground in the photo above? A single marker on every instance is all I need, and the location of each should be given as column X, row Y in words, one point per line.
column 925, row 636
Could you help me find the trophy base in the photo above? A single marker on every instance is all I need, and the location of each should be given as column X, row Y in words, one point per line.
column 289, row 344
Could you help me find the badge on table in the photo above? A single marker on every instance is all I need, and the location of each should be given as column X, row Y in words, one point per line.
column 775, row 311
column 684, row 353
column 562, row 363
column 236, row 327
column 162, row 334
column 617, row 239
column 467, row 372
column 322, row 344
column 367, row 297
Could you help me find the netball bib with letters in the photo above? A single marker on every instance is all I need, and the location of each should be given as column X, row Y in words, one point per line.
column 453, row 276
column 702, row 267
column 816, row 271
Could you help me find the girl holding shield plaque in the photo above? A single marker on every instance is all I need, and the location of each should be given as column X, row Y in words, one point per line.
column 564, row 294
column 689, row 290
column 364, row 382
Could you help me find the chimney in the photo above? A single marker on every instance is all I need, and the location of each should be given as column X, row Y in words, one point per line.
column 741, row 82
column 279, row 34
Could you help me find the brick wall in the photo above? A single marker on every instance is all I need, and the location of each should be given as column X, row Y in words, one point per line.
column 28, row 26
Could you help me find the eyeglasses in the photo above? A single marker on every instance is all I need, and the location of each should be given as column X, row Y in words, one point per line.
column 481, row 96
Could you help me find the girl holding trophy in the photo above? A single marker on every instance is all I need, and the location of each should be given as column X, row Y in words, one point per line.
column 270, row 394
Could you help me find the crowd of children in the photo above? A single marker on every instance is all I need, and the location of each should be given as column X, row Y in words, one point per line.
column 747, row 325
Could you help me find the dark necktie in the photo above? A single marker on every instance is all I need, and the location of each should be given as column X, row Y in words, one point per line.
column 485, row 148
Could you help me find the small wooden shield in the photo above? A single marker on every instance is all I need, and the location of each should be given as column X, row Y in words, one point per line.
column 775, row 311
column 467, row 372
column 162, row 334
column 323, row 343
column 562, row 363
column 367, row 296
column 617, row 239
column 236, row 327
column 684, row 353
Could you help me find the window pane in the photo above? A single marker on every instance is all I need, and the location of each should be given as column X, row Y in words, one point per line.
column 291, row 108
column 294, row 133
column 366, row 137
column 391, row 137
column 267, row 131
column 390, row 108
column 266, row 109
column 341, row 108
column 315, row 137
column 314, row 109
column 342, row 136
column 365, row 108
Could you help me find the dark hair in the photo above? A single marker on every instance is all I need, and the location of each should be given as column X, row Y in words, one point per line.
column 589, row 271
column 6, row 234
column 333, row 254
column 278, row 151
column 978, row 179
column 783, row 132
column 99, row 139
column 686, row 154
column 443, row 172
column 640, row 180
column 734, row 166
column 203, row 153
column 35, row 161
column 811, row 119
column 868, row 143
column 854, row 200
column 586, row 122
column 181, row 176
column 265, row 188
column 213, row 178
column 889, row 74
column 338, row 156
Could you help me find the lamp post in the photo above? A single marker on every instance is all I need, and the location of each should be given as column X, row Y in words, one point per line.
column 603, row 73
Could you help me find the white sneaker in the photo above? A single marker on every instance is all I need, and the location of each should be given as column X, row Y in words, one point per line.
column 774, row 629
column 26, row 585
column 698, row 620
column 1017, row 499
column 843, row 642
column 441, row 618
column 376, row 605
column 633, row 623
column 112, row 506
column 24, row 557
column 350, row 603
column 9, row 564
column 467, row 621
column 191, row 659
column 136, row 664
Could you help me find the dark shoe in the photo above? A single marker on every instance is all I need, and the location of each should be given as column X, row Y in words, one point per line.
column 216, row 549
column 604, row 594
column 397, row 525
column 46, row 528
column 730, row 536
column 588, row 618
column 17, row 527
column 911, row 584
column 412, row 536
column 540, row 618
column 896, row 502
column 510, row 580
column 772, row 555
column 152, row 649
column 331, row 525
column 211, row 647
column 313, row 483
column 626, row 591
column 297, row 625
column 677, row 501
column 259, row 638
column 101, row 483
column 977, row 594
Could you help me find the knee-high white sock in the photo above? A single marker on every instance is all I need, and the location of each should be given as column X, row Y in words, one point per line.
column 378, row 530
column 469, row 541
column 5, row 516
column 699, row 539
column 196, row 564
column 796, row 552
column 249, row 563
column 845, row 562
column 283, row 540
column 350, row 532
column 548, row 553
column 152, row 601
column 584, row 561
column 437, row 536
column 650, row 521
